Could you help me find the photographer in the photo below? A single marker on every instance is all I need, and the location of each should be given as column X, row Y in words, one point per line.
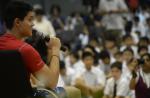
column 140, row 81
column 18, row 18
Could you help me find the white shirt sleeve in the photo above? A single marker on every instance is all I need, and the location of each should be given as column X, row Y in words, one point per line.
column 101, row 78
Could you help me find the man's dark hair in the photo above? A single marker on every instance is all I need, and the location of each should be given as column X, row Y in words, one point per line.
column 55, row 6
column 128, row 49
column 104, row 54
column 15, row 9
column 126, row 36
column 75, row 55
column 144, row 39
column 87, row 54
column 140, row 48
column 39, row 11
column 117, row 65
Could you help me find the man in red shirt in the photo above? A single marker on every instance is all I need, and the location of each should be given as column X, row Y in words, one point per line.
column 18, row 18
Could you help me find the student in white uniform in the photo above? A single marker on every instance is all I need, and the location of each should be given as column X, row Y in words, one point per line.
column 91, row 79
column 117, row 86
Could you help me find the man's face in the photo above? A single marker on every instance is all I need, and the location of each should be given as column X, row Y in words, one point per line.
column 127, row 56
column 72, row 59
column 88, row 61
column 146, row 65
column 25, row 26
column 109, row 44
column 116, row 73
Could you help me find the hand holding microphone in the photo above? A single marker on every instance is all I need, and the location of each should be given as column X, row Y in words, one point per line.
column 48, row 39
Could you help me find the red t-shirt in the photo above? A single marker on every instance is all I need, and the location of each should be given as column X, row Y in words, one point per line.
column 31, row 57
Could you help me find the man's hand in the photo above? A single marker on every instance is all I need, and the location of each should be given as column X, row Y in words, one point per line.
column 54, row 43
column 54, row 46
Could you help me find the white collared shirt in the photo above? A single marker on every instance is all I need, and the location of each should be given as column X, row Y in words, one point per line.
column 93, row 77
column 122, row 87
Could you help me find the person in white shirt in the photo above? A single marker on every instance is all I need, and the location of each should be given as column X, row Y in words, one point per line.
column 105, row 62
column 91, row 79
column 117, row 86
column 42, row 24
column 112, row 11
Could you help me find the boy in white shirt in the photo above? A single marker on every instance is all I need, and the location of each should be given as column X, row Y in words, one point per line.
column 117, row 86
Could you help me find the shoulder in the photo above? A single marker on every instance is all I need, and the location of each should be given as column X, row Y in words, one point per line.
column 96, row 70
column 123, row 80
column 110, row 80
column 25, row 47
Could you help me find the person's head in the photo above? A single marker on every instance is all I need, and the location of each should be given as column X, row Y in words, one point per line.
column 144, row 41
column 146, row 62
column 18, row 17
column 39, row 14
column 128, row 54
column 109, row 42
column 142, row 50
column 132, row 64
column 55, row 10
column 128, row 40
column 116, row 70
column 89, row 48
column 128, row 27
column 74, row 58
column 105, row 57
column 94, row 42
column 118, row 56
column 136, row 19
column 88, row 60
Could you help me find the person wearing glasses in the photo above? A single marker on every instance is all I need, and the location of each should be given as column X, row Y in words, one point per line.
column 140, row 81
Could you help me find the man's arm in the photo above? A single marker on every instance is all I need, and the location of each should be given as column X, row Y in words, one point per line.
column 49, row 75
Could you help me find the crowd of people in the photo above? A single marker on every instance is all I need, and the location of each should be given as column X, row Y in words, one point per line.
column 107, row 51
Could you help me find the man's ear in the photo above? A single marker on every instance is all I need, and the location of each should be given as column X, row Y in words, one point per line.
column 17, row 22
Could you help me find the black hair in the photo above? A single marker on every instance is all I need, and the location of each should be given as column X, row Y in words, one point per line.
column 117, row 65
column 128, row 27
column 75, row 55
column 136, row 18
column 144, row 39
column 15, row 9
column 87, row 54
column 104, row 54
column 39, row 11
column 128, row 49
column 55, row 6
column 37, row 40
column 141, row 48
column 126, row 36
column 148, row 19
